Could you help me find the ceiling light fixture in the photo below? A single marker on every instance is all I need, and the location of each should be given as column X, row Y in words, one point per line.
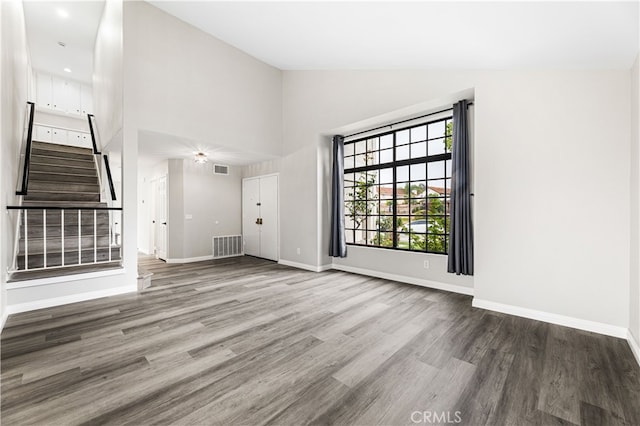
column 201, row 158
column 63, row 13
column 67, row 70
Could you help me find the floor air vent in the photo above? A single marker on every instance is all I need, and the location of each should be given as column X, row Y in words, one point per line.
column 227, row 246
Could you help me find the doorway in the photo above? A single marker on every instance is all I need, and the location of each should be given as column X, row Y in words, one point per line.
column 159, row 221
column 260, row 216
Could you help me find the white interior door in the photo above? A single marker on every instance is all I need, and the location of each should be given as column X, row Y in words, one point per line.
column 250, row 215
column 160, row 221
column 269, row 217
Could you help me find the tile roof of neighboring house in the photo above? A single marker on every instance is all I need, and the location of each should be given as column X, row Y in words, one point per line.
column 440, row 190
column 384, row 190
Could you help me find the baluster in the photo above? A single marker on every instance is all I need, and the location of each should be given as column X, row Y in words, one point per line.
column 44, row 236
column 62, row 233
column 109, row 234
column 95, row 236
column 79, row 236
column 26, row 242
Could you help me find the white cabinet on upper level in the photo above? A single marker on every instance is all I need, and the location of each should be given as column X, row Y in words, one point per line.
column 86, row 140
column 59, row 136
column 86, row 99
column 42, row 134
column 58, row 95
column 44, row 90
column 73, row 97
column 80, row 139
column 63, row 95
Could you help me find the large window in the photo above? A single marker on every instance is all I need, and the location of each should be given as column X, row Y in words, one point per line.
column 397, row 186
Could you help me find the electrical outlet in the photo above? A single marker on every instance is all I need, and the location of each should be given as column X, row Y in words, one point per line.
column 426, row 264
column 298, row 250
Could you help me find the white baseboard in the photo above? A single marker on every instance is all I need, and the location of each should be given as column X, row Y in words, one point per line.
column 73, row 298
column 580, row 324
column 634, row 345
column 64, row 278
column 405, row 279
column 190, row 259
column 304, row 266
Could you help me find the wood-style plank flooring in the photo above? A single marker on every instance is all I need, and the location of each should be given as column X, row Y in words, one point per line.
column 245, row 341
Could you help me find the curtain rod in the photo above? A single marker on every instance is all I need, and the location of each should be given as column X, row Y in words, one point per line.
column 403, row 121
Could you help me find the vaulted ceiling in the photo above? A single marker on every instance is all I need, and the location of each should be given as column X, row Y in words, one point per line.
column 297, row 35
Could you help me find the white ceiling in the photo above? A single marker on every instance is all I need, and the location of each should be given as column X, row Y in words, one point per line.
column 154, row 147
column 422, row 35
column 45, row 28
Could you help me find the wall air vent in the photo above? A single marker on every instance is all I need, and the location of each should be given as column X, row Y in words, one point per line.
column 219, row 169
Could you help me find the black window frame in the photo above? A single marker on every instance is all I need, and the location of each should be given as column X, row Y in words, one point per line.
column 350, row 169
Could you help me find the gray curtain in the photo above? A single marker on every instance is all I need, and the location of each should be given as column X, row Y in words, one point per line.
column 338, row 244
column 460, row 259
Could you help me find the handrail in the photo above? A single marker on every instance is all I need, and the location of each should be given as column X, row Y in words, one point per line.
column 27, row 155
column 108, row 169
column 105, row 158
column 31, row 207
column 93, row 135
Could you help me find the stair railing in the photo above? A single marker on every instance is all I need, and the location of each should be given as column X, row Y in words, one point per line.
column 102, row 161
column 25, row 150
column 23, row 164
column 104, row 174
column 58, row 249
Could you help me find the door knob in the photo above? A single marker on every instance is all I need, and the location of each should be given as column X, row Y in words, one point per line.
column 164, row 223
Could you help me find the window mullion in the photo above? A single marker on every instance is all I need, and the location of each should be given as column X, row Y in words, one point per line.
column 395, row 195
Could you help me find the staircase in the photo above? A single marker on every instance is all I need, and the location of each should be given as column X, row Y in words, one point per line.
column 63, row 192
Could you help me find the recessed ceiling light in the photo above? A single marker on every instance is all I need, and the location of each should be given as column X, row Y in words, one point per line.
column 67, row 70
column 63, row 13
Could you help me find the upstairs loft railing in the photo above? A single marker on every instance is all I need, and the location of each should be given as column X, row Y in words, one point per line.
column 25, row 150
column 102, row 161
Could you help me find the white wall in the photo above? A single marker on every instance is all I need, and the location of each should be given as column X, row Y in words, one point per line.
column 547, row 144
column 634, row 283
column 552, row 204
column 14, row 75
column 181, row 81
column 214, row 204
column 203, row 205
column 175, row 209
column 107, row 72
column 184, row 82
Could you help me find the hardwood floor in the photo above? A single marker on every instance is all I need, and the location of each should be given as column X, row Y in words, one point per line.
column 245, row 341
